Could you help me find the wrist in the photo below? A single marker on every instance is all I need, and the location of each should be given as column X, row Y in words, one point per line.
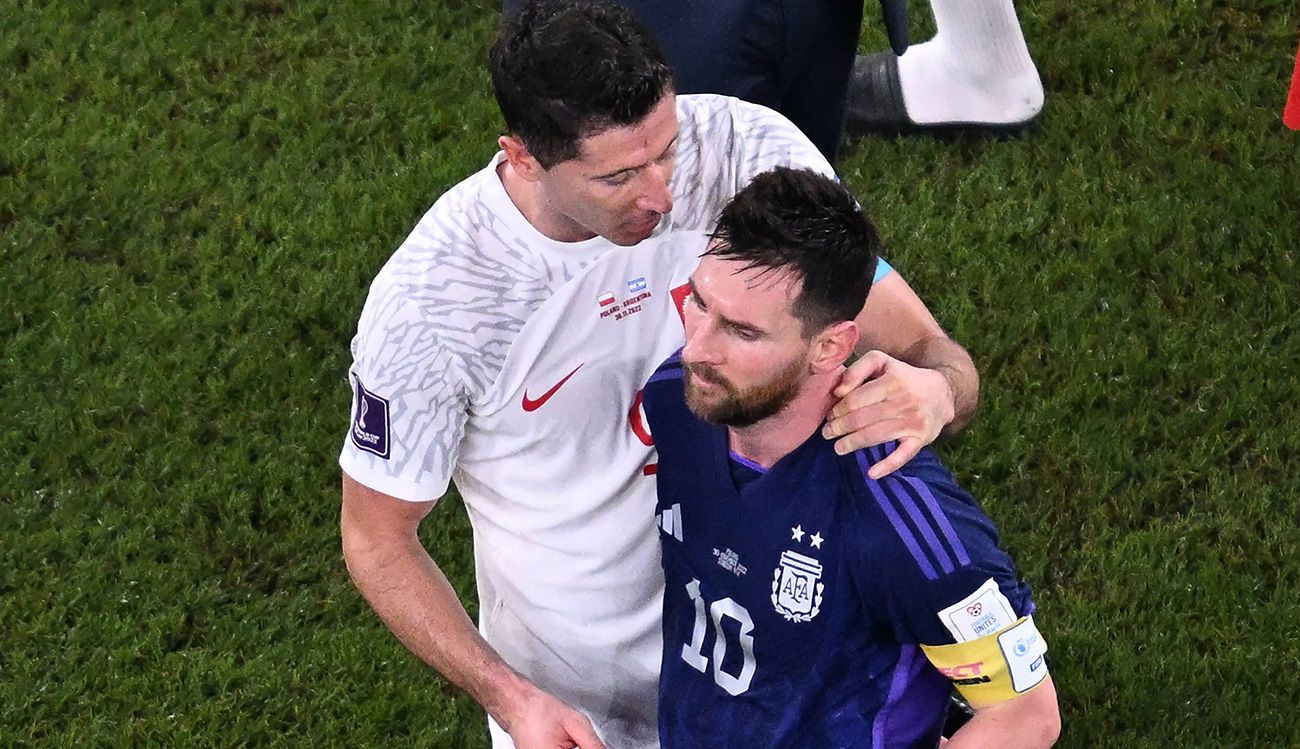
column 506, row 696
column 953, row 363
column 961, row 400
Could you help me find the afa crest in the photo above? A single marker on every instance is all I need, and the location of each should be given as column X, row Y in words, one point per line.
column 797, row 587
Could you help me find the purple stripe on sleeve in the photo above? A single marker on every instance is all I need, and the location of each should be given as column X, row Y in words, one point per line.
column 904, row 533
column 949, row 533
column 746, row 462
column 897, row 686
column 881, row 451
column 893, row 484
column 914, row 708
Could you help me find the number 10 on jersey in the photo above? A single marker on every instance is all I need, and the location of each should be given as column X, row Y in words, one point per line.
column 693, row 652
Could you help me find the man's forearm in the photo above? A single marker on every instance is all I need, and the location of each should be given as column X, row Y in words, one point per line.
column 1029, row 721
column 413, row 597
column 947, row 357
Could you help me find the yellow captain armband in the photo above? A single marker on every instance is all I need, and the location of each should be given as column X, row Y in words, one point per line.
column 996, row 667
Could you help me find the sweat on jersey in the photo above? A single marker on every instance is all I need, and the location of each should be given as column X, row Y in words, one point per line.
column 798, row 597
column 491, row 355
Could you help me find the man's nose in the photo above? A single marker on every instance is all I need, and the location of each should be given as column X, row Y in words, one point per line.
column 656, row 196
column 699, row 348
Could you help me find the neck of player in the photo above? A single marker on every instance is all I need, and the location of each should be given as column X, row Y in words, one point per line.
column 531, row 201
column 775, row 437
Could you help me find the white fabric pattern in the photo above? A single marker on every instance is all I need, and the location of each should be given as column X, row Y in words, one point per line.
column 503, row 371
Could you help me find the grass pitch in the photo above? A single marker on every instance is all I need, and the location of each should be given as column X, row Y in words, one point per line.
column 194, row 196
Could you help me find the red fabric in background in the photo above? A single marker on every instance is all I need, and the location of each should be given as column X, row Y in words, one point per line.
column 1291, row 115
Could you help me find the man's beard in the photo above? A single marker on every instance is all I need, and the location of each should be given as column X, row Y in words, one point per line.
column 742, row 408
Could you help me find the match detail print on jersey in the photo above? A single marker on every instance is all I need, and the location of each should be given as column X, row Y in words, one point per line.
column 532, row 405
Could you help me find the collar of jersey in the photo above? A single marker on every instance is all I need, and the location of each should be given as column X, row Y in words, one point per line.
column 721, row 453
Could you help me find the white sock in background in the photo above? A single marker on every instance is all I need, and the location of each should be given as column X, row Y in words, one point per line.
column 975, row 69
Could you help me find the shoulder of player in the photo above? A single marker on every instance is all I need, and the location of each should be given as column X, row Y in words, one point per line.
column 746, row 121
column 922, row 519
column 665, row 386
column 739, row 140
column 451, row 292
column 456, row 253
column 701, row 108
column 459, row 223
column 671, row 368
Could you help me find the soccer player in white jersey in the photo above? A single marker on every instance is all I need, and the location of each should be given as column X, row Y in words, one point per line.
column 504, row 344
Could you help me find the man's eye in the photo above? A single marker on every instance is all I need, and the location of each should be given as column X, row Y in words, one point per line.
column 618, row 180
column 745, row 334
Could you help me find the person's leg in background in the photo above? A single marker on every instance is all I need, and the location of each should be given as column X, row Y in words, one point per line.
column 975, row 73
column 821, row 41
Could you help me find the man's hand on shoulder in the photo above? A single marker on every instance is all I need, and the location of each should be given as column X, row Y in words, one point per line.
column 544, row 722
column 883, row 399
column 912, row 383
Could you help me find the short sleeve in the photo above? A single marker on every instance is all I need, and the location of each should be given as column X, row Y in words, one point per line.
column 768, row 140
column 946, row 579
column 754, row 139
column 409, row 402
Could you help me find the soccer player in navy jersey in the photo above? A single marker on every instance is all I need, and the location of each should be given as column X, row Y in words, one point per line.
column 807, row 604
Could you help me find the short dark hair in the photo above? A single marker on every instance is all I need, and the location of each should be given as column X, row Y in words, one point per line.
column 803, row 222
column 565, row 69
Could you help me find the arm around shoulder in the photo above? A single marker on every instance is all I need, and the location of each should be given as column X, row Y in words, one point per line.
column 911, row 384
column 896, row 322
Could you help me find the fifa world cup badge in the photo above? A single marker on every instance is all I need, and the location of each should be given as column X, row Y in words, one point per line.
column 797, row 587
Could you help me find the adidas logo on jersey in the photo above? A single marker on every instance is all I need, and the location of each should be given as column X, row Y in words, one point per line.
column 670, row 521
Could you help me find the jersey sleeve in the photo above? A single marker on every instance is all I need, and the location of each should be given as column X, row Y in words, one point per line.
column 409, row 402
column 768, row 140
column 764, row 139
column 780, row 143
column 951, row 589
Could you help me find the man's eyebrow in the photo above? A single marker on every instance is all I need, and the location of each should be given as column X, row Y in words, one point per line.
column 695, row 292
column 738, row 325
column 725, row 320
column 638, row 167
column 611, row 175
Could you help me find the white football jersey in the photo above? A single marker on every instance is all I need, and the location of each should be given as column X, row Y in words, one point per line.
column 511, row 363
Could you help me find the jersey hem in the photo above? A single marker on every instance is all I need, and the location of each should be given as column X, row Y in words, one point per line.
column 395, row 488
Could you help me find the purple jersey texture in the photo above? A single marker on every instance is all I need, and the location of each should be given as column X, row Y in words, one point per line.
column 797, row 595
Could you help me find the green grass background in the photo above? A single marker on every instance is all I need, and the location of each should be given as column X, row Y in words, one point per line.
column 194, row 196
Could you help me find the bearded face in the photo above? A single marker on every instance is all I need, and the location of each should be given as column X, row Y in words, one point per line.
column 716, row 400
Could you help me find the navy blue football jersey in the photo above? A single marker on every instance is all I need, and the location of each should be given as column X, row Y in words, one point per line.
column 797, row 596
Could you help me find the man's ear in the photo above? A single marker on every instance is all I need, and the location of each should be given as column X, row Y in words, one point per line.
column 521, row 161
column 833, row 346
